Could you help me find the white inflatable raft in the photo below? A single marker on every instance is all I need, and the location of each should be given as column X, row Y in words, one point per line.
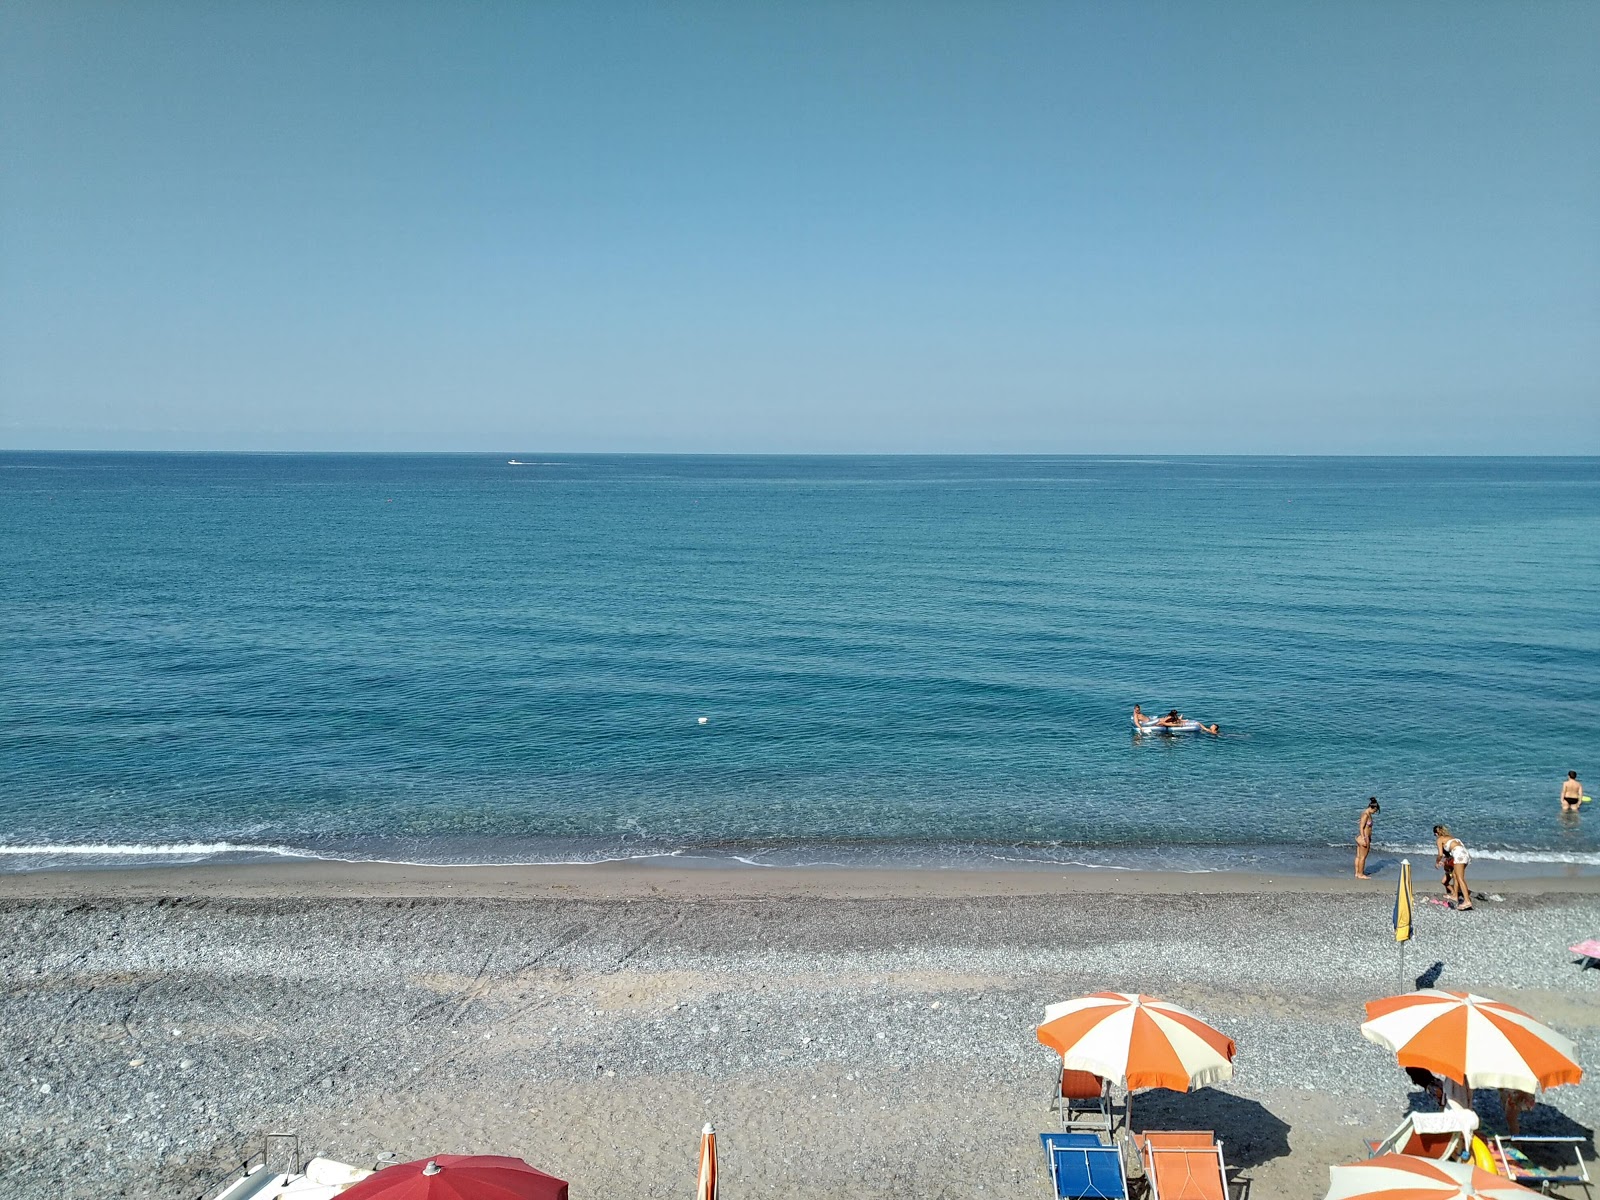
column 1156, row 727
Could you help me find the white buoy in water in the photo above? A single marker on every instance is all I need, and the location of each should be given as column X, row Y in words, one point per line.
column 702, row 720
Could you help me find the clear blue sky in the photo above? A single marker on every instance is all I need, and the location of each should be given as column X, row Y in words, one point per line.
column 825, row 226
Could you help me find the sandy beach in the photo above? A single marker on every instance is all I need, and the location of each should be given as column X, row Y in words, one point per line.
column 861, row 1033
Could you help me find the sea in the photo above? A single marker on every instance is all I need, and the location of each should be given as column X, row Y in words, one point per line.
column 780, row 661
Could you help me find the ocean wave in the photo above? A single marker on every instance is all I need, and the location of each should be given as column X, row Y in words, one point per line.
column 197, row 850
column 1178, row 859
column 1585, row 858
column 1070, row 862
column 135, row 850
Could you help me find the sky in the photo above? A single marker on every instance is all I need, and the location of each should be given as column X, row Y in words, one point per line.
column 855, row 227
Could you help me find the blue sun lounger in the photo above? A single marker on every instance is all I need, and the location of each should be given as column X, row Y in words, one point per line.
column 1083, row 1168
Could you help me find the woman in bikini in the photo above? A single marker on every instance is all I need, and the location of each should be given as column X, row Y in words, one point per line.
column 1364, row 837
column 1453, row 859
column 1571, row 793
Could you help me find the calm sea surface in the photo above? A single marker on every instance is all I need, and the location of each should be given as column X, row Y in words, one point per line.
column 444, row 658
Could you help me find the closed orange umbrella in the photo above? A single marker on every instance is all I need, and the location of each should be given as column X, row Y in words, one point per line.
column 707, row 1189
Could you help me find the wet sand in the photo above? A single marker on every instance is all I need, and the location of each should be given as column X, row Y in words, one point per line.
column 854, row 1032
column 689, row 879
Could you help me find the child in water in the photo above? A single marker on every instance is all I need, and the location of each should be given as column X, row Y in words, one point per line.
column 1364, row 837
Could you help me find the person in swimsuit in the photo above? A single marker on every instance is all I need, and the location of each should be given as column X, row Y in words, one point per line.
column 1571, row 793
column 1453, row 859
column 1514, row 1103
column 1364, row 837
column 1172, row 719
column 1428, row 1082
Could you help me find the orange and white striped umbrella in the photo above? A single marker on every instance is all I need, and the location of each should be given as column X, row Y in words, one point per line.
column 1402, row 1177
column 707, row 1189
column 1474, row 1040
column 1137, row 1041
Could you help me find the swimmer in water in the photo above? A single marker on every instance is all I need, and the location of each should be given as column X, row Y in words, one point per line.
column 1173, row 719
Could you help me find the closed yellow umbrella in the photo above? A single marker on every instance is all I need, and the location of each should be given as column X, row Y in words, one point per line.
column 1404, row 899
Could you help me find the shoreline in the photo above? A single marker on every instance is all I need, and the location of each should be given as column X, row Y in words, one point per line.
column 673, row 879
column 1325, row 860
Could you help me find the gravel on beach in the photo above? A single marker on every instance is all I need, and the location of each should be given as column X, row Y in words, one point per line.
column 871, row 1047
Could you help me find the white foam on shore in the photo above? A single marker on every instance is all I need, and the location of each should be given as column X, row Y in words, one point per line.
column 1584, row 858
column 163, row 850
column 46, row 854
column 197, row 850
column 1093, row 866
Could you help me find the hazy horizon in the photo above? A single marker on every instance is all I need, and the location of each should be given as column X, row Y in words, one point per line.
column 1114, row 455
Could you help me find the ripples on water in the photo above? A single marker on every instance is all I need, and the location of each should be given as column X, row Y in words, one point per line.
column 447, row 658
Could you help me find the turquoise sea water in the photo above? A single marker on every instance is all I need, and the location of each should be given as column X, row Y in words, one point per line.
column 443, row 658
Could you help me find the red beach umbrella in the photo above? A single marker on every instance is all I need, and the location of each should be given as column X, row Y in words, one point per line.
column 459, row 1177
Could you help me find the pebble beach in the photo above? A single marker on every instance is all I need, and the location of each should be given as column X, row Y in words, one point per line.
column 861, row 1033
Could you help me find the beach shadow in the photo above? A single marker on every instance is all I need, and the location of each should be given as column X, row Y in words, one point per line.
column 1419, row 1100
column 1430, row 977
column 1545, row 1120
column 1542, row 1120
column 1251, row 1134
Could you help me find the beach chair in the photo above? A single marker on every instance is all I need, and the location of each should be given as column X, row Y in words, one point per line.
column 1082, row 1167
column 1588, row 953
column 1429, row 1135
column 1184, row 1165
column 1554, row 1162
column 1083, row 1098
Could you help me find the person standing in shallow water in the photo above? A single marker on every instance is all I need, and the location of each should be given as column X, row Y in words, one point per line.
column 1364, row 837
column 1571, row 793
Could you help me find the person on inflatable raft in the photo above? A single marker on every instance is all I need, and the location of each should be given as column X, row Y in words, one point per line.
column 1174, row 722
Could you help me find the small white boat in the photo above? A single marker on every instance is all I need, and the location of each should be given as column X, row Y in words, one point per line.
column 512, row 462
column 275, row 1172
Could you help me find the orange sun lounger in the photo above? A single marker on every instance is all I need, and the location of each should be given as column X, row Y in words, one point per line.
column 1184, row 1165
column 1083, row 1096
column 1430, row 1135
